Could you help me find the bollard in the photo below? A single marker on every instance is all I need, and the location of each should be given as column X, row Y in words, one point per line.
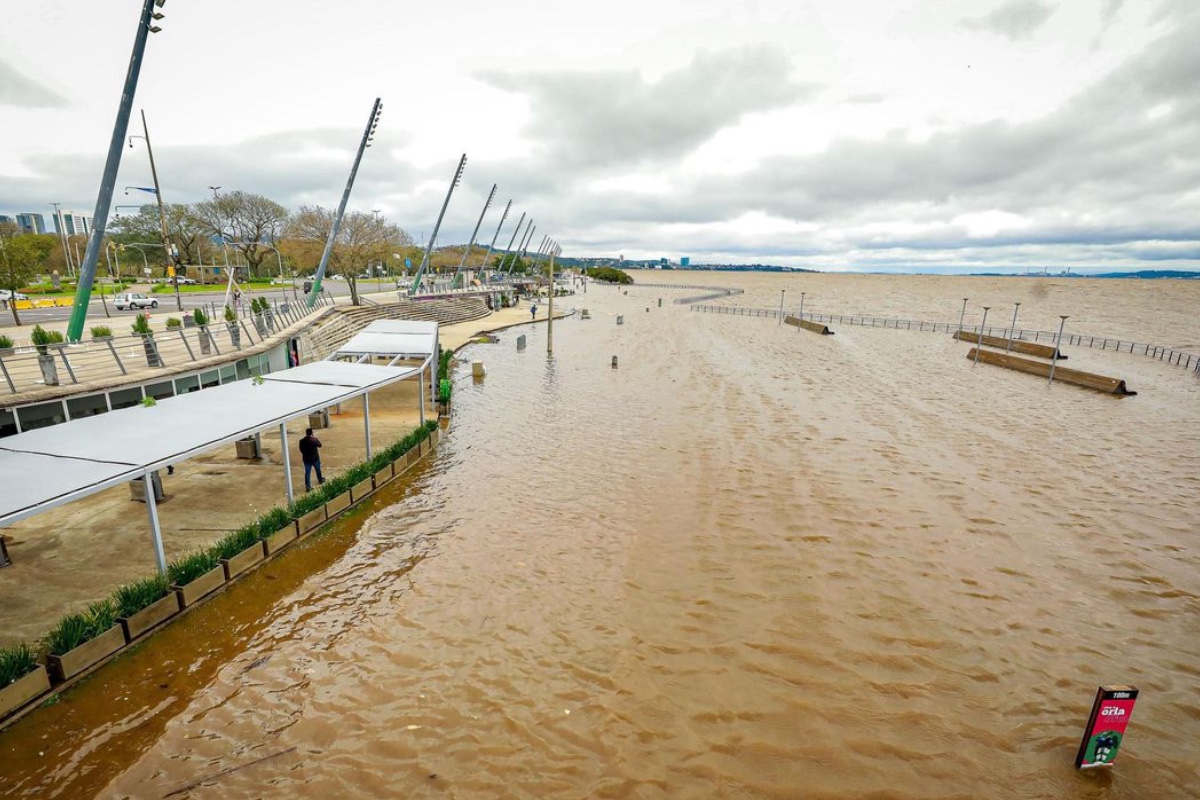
column 620, row 320
column 614, row 363
column 477, row 370
column 521, row 342
column 647, row 309
column 660, row 302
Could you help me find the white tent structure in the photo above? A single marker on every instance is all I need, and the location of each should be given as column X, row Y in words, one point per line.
column 395, row 340
column 51, row 466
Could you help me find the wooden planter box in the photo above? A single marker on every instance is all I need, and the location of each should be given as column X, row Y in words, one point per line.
column 242, row 561
column 384, row 475
column 151, row 615
column 203, row 586
column 338, row 504
column 311, row 521
column 23, row 690
column 73, row 662
column 277, row 541
column 413, row 456
column 360, row 490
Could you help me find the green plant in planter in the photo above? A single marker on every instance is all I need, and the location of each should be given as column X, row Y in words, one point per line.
column 200, row 317
column 147, row 402
column 101, row 332
column 141, row 325
column 174, row 322
column 16, row 661
column 75, row 629
column 5, row 343
column 42, row 337
column 230, row 314
column 192, row 566
column 133, row 597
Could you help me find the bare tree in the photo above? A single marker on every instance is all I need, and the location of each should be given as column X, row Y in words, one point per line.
column 245, row 220
column 362, row 239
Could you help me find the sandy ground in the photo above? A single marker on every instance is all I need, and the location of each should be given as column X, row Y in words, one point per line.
column 80, row 552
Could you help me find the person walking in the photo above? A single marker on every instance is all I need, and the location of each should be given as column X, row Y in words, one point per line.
column 310, row 453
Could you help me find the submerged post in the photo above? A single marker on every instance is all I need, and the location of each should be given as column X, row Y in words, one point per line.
column 287, row 462
column 550, row 311
column 1057, row 344
column 962, row 314
column 160, row 558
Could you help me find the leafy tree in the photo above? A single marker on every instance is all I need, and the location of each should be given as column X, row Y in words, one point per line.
column 519, row 265
column 21, row 259
column 184, row 230
column 610, row 274
column 246, row 221
column 362, row 239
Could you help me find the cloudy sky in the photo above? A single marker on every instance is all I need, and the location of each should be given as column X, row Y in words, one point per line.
column 948, row 135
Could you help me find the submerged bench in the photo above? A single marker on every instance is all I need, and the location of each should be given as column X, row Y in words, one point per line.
column 1019, row 346
column 815, row 327
column 1088, row 380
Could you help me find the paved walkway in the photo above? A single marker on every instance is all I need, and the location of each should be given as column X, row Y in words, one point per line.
column 77, row 553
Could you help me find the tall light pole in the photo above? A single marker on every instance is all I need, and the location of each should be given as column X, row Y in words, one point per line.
column 364, row 143
column 513, row 238
column 458, row 173
column 495, row 236
column 1012, row 331
column 162, row 210
column 979, row 344
column 802, row 304
column 1057, row 345
column 781, row 294
column 87, row 272
column 961, row 314
column 491, row 196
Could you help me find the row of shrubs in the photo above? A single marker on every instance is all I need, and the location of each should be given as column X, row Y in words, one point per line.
column 16, row 661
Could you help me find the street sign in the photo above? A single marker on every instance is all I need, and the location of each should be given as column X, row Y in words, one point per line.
column 1105, row 730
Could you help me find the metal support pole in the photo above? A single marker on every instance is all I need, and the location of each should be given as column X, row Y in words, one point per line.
column 1012, row 330
column 162, row 212
column 287, row 462
column 1057, row 343
column 160, row 557
column 550, row 311
column 372, row 122
column 979, row 344
column 367, row 422
column 458, row 173
column 802, row 304
column 961, row 314
column 421, row 392
column 474, row 233
column 782, row 292
column 87, row 272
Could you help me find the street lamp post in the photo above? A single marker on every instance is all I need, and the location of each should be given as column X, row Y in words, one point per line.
column 1057, row 344
column 961, row 314
column 162, row 211
column 1012, row 331
column 781, row 294
column 802, row 304
column 109, row 178
column 979, row 344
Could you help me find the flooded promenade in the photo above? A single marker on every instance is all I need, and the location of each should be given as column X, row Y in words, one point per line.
column 749, row 562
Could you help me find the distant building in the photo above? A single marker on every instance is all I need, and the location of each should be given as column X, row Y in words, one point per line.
column 29, row 222
column 7, row 220
column 72, row 224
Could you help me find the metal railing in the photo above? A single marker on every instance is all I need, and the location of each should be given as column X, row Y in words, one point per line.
column 1160, row 352
column 32, row 367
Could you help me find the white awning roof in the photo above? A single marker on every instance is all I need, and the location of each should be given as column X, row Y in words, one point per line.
column 43, row 468
column 394, row 338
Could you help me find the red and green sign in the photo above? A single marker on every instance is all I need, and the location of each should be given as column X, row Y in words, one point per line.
column 1106, row 726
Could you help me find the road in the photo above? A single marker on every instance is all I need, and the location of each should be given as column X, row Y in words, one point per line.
column 166, row 303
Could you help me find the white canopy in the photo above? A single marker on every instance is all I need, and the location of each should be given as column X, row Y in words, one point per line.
column 392, row 338
column 47, row 467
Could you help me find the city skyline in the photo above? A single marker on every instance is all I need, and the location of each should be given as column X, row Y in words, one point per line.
column 854, row 135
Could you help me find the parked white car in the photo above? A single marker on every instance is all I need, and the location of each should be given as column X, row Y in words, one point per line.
column 132, row 300
column 5, row 294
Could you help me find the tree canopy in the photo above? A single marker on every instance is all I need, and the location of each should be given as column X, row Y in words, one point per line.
column 21, row 259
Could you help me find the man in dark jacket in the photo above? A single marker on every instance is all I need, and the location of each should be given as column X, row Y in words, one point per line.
column 310, row 452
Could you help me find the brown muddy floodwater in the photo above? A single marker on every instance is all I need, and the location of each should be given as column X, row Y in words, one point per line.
column 749, row 562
